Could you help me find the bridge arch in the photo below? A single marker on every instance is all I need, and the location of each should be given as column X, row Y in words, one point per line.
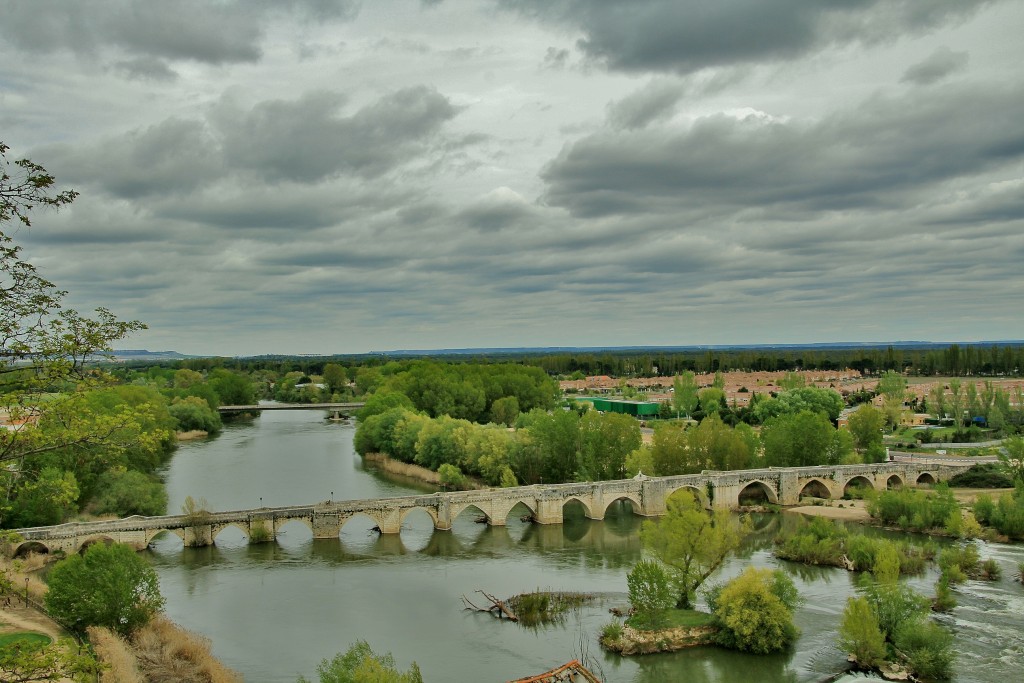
column 153, row 533
column 894, row 481
column 857, row 482
column 815, row 488
column 217, row 529
column 26, row 548
column 700, row 495
column 634, row 504
column 757, row 489
column 587, row 512
column 459, row 510
column 926, row 479
column 90, row 540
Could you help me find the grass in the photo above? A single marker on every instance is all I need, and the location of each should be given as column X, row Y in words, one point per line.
column 681, row 618
column 540, row 607
column 24, row 637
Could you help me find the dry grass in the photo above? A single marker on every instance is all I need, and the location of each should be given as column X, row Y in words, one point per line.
column 167, row 653
column 19, row 570
column 116, row 654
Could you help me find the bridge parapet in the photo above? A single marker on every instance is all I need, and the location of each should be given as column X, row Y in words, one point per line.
column 545, row 502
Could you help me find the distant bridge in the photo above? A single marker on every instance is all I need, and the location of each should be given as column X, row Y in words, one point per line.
column 543, row 503
column 336, row 409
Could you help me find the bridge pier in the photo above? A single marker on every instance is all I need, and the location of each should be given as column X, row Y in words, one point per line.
column 548, row 512
column 198, row 536
column 327, row 524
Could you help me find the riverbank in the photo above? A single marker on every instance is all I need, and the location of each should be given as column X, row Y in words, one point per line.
column 631, row 641
column 416, row 472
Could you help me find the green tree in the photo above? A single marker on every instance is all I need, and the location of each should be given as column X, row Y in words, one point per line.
column 792, row 380
column 127, row 492
column 233, row 388
column 45, row 346
column 39, row 661
column 814, row 399
column 505, row 410
column 755, row 611
column 557, row 435
column 651, row 593
column 43, row 500
column 865, row 425
column 335, row 378
column 691, row 542
column 860, row 635
column 108, row 585
column 359, row 664
column 684, row 396
column 669, row 450
column 713, row 445
column 803, row 439
column 1011, row 457
column 193, row 413
column 605, row 442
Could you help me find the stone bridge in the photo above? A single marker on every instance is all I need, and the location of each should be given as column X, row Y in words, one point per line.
column 543, row 504
column 337, row 410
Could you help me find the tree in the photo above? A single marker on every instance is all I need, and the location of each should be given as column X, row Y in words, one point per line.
column 755, row 611
column 684, row 396
column 691, row 542
column 1011, row 457
column 714, row 445
column 814, row 399
column 803, row 439
column 860, row 635
column 335, row 378
column 605, row 442
column 25, row 661
column 45, row 346
column 865, row 425
column 110, row 585
column 668, row 450
column 651, row 593
column 359, row 664
column 505, row 410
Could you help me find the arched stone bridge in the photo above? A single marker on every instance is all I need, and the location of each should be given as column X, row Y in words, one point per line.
column 544, row 503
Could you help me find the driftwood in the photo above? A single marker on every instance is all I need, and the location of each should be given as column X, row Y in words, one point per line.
column 497, row 608
column 573, row 671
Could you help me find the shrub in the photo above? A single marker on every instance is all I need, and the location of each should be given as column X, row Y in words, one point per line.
column 982, row 476
column 612, row 630
column 193, row 413
column 753, row 613
column 651, row 593
column 990, row 570
column 860, row 635
column 960, row 560
column 944, row 600
column 893, row 603
column 451, row 476
column 127, row 492
column 109, row 586
column 928, row 648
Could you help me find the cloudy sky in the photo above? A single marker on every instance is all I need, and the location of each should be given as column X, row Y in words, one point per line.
column 334, row 176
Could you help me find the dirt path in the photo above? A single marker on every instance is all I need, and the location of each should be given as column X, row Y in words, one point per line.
column 27, row 619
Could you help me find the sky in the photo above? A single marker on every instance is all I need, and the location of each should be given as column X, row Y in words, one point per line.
column 332, row 176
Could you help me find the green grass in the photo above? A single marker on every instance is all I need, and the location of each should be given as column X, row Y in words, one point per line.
column 25, row 637
column 682, row 618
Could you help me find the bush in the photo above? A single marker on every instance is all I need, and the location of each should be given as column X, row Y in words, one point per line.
column 944, row 600
column 360, row 663
column 755, row 611
column 982, row 476
column 928, row 648
column 109, row 586
column 193, row 413
column 651, row 593
column 451, row 476
column 127, row 492
column 611, row 631
column 860, row 635
column 914, row 509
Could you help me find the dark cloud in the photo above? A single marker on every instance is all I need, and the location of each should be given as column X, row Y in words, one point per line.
column 216, row 33
column 940, row 64
column 173, row 157
column 556, row 58
column 655, row 102
column 877, row 154
column 308, row 139
column 685, row 36
column 146, row 69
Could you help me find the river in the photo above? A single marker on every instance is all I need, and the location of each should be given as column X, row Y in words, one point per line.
column 274, row 611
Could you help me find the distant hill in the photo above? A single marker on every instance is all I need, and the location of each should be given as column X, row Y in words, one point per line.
column 143, row 354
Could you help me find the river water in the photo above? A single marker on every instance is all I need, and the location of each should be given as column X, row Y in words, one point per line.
column 274, row 611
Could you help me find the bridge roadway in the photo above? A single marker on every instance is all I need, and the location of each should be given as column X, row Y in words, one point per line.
column 646, row 496
column 334, row 408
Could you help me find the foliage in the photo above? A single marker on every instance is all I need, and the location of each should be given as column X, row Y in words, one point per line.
column 823, row 542
column 335, row 378
column 42, row 660
column 813, row 399
column 451, row 477
column 128, row 492
column 545, row 607
column 193, row 413
column 505, row 410
column 196, row 511
column 755, row 611
column 611, row 631
column 928, row 648
column 605, row 442
column 359, row 664
column 691, row 541
column 43, row 500
column 1012, row 458
column 802, row 439
column 915, row 509
column 684, row 394
column 865, row 425
column 860, row 635
column 984, row 475
column 651, row 594
column 893, row 604
column 108, row 585
column 1006, row 514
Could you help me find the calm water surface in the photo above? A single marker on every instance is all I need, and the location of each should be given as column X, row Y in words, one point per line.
column 273, row 611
